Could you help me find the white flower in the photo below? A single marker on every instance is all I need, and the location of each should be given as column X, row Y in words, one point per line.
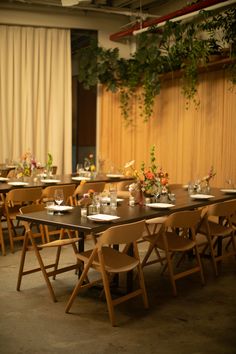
column 129, row 164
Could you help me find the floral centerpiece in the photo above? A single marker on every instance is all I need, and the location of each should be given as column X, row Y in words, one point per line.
column 149, row 181
column 26, row 165
column 49, row 163
column 205, row 181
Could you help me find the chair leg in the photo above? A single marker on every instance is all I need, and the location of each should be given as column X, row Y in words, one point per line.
column 171, row 273
column 108, row 297
column 10, row 234
column 80, row 282
column 22, row 261
column 41, row 264
column 2, row 241
column 200, row 265
column 213, row 255
column 142, row 286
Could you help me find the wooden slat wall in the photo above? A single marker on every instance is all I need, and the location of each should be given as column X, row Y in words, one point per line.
column 187, row 142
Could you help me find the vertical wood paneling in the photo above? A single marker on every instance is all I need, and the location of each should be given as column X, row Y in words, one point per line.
column 188, row 141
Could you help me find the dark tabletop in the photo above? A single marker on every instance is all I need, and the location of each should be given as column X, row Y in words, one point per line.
column 126, row 213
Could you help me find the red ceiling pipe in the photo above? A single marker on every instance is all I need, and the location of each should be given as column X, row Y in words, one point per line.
column 185, row 10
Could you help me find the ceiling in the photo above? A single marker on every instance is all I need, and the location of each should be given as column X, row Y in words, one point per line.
column 132, row 11
column 131, row 8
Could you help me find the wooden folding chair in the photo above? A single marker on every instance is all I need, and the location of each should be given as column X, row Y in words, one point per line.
column 15, row 199
column 30, row 244
column 83, row 188
column 109, row 261
column 178, row 235
column 216, row 232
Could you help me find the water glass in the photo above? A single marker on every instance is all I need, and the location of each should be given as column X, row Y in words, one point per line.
column 84, row 212
column 113, row 198
column 49, row 205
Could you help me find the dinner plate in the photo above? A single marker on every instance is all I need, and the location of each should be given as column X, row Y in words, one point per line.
column 229, row 191
column 18, row 184
column 50, row 180
column 4, row 179
column 108, row 199
column 81, row 178
column 110, row 175
column 59, row 207
column 201, row 196
column 102, row 217
column 160, row 205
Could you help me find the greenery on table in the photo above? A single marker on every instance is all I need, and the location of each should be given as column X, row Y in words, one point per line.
column 176, row 46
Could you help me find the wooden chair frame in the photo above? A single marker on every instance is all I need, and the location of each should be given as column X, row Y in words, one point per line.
column 15, row 199
column 30, row 244
column 108, row 261
column 216, row 232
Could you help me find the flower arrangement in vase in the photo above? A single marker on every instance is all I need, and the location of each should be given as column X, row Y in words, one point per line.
column 26, row 165
column 149, row 181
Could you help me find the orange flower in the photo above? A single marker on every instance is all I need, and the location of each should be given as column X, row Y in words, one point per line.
column 149, row 175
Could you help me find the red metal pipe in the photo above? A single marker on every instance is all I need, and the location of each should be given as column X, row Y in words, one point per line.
column 185, row 10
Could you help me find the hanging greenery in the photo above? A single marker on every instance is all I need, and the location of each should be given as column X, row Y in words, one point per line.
column 175, row 46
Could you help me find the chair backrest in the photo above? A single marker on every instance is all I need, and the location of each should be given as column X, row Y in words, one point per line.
column 122, row 234
column 24, row 195
column 224, row 209
column 83, row 188
column 32, row 208
column 48, row 192
column 184, row 219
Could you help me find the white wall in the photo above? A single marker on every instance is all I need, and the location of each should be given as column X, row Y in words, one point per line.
column 104, row 24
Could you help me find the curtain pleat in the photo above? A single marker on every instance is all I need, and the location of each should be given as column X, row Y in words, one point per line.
column 188, row 141
column 35, row 94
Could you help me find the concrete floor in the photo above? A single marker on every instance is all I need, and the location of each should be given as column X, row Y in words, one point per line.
column 200, row 320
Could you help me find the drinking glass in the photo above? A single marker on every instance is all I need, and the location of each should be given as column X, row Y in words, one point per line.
column 86, row 165
column 59, row 197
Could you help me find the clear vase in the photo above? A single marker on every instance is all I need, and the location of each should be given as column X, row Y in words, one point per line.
column 141, row 198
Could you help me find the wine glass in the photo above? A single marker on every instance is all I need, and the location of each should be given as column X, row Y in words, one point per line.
column 59, row 197
column 86, row 165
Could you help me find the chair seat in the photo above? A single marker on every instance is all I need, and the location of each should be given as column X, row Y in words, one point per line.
column 115, row 262
column 215, row 229
column 176, row 243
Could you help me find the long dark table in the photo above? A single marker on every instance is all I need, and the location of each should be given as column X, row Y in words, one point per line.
column 126, row 213
column 64, row 179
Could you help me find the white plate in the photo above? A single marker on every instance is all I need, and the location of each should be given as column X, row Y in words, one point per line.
column 60, row 207
column 230, row 191
column 109, row 175
column 160, row 205
column 50, row 180
column 3, row 179
column 201, row 196
column 102, row 217
column 81, row 178
column 108, row 199
column 18, row 184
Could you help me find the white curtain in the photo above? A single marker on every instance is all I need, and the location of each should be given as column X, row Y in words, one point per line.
column 35, row 94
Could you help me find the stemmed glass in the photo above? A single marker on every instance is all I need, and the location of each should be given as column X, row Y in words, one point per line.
column 86, row 165
column 59, row 197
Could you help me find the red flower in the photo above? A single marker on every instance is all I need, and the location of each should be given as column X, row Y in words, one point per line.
column 149, row 175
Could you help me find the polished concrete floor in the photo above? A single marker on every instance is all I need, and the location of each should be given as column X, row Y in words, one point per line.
column 200, row 320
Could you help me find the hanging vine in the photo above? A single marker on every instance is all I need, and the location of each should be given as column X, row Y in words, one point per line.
column 176, row 46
